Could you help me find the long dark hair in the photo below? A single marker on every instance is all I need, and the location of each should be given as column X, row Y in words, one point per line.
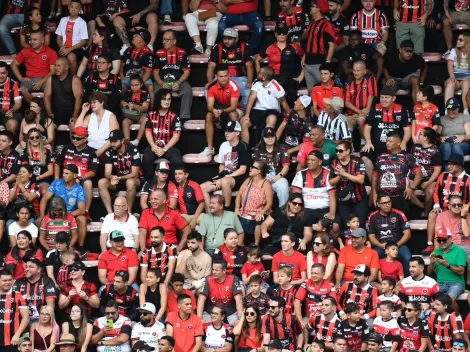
column 246, row 326
column 27, row 20
column 15, row 251
column 44, row 119
column 103, row 32
column 159, row 96
column 285, row 207
column 261, row 147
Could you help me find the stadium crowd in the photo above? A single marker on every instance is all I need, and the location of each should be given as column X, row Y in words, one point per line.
column 315, row 262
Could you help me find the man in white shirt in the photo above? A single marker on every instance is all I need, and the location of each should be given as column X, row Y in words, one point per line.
column 333, row 121
column 123, row 221
column 264, row 104
column 149, row 329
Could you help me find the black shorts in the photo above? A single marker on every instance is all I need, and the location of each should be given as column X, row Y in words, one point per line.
column 127, row 18
column 317, row 214
column 79, row 53
column 372, row 155
column 258, row 117
column 121, row 186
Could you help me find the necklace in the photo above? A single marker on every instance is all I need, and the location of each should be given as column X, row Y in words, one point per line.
column 213, row 225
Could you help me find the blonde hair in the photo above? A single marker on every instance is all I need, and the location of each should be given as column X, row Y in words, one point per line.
column 287, row 270
column 42, row 153
column 49, row 311
column 466, row 49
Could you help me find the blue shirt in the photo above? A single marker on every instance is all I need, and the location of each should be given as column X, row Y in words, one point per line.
column 71, row 196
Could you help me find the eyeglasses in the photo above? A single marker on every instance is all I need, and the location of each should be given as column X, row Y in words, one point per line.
column 254, row 167
column 250, row 314
column 32, row 138
column 167, row 39
column 317, row 243
column 339, row 150
column 458, row 344
column 273, row 307
column 110, row 313
column 386, row 203
column 410, row 310
column 456, row 205
column 297, row 204
column 441, row 240
column 77, row 138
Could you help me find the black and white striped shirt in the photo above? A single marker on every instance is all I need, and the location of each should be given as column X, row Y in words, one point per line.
column 335, row 130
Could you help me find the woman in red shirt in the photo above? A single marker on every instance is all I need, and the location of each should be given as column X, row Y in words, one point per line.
column 19, row 254
column 247, row 332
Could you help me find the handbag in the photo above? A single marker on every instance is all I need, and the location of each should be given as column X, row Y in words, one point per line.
column 205, row 15
column 347, row 193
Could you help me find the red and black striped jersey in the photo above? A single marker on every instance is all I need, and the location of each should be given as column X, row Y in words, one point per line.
column 161, row 260
column 371, row 25
column 384, row 3
column 88, row 287
column 122, row 163
column 30, row 187
column 9, row 164
column 358, row 93
column 286, row 331
column 127, row 302
column 235, row 58
column 9, row 93
column 163, row 127
column 354, row 335
column 140, row 98
column 171, row 65
column 137, row 60
column 411, row 334
column 312, row 295
column 287, row 294
column 320, row 34
column 234, row 259
column 10, row 305
column 443, row 330
column 389, row 330
column 36, row 293
column 448, row 185
column 85, row 159
column 341, row 28
column 322, row 329
column 19, row 6
column 296, row 23
column 355, row 167
column 423, row 290
column 411, row 10
column 365, row 297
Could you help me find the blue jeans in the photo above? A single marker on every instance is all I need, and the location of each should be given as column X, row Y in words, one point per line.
column 252, row 20
column 457, row 148
column 404, row 256
column 166, row 8
column 244, row 93
column 6, row 24
column 454, row 289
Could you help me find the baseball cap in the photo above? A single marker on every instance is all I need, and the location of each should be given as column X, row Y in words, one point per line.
column 116, row 235
column 275, row 344
column 407, row 45
column 362, row 269
column 144, row 34
column 452, row 104
column 115, row 135
column 322, row 5
column 162, row 166
column 359, row 232
column 305, row 100
column 72, row 168
column 268, row 132
column 62, row 237
column 388, row 91
column 378, row 339
column 230, row 32
column 23, row 339
column 336, row 102
column 456, row 159
column 148, row 307
column 141, row 345
column 35, row 261
column 318, row 154
column 339, row 2
column 281, row 29
column 233, row 126
column 78, row 266
column 443, row 232
column 80, row 131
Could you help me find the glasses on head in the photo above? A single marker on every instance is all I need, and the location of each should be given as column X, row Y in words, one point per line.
column 273, row 307
column 386, row 203
column 410, row 309
column 339, row 150
column 250, row 314
column 32, row 138
column 456, row 205
column 297, row 204
column 441, row 240
column 317, row 243
column 254, row 167
column 110, row 313
column 77, row 138
column 458, row 344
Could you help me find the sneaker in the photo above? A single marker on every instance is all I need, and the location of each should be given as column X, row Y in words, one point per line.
column 428, row 250
column 199, row 48
column 102, row 219
column 166, row 19
column 208, row 51
column 150, row 47
column 123, row 49
column 465, row 111
column 207, row 151
column 88, row 217
column 135, row 142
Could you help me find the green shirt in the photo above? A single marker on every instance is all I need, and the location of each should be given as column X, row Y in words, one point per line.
column 213, row 227
column 329, row 152
column 456, row 257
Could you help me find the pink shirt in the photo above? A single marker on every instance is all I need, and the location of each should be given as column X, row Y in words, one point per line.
column 445, row 219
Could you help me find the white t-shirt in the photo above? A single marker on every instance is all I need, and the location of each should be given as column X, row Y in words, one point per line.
column 149, row 334
column 129, row 228
column 314, row 191
column 121, row 325
column 14, row 228
column 72, row 32
column 459, row 67
column 267, row 98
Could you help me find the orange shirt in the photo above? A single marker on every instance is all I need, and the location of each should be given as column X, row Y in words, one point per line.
column 351, row 258
column 320, row 92
column 185, row 331
column 172, row 301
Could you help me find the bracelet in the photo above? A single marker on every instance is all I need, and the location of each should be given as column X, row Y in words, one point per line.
column 463, row 217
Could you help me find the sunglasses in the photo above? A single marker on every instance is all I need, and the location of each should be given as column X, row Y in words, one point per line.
column 145, row 313
column 297, row 204
column 339, row 150
column 77, row 138
column 273, row 307
column 317, row 243
column 74, row 270
column 456, row 205
column 250, row 314
column 254, row 167
column 110, row 313
column 441, row 240
column 32, row 138
column 460, row 40
column 386, row 203
column 410, row 309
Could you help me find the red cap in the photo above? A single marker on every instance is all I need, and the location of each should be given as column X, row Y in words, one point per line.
column 443, row 232
column 80, row 131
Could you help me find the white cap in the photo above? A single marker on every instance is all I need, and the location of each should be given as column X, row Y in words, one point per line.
column 149, row 307
column 305, row 100
column 336, row 103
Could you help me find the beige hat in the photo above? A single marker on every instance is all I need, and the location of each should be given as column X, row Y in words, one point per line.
column 336, row 103
column 66, row 339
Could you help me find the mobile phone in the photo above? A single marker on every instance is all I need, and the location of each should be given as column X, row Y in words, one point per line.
column 439, row 256
column 110, row 323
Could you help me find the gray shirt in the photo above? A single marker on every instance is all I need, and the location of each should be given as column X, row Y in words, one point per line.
column 213, row 227
column 454, row 127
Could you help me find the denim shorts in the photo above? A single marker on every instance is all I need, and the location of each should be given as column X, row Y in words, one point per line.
column 454, row 289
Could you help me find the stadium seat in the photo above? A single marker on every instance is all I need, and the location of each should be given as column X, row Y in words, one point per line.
column 176, row 26
column 90, row 263
column 402, row 92
column 198, row 59
column 461, row 27
column 63, row 128
column 302, row 91
column 38, row 95
column 15, row 30
column 194, row 158
column 195, row 125
column 198, row 91
column 7, row 58
column 234, row 193
column 418, row 225
column 432, row 57
column 96, row 194
column 437, row 90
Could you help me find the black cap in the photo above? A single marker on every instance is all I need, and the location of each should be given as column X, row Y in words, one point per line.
column 407, row 45
column 317, row 153
column 276, row 344
column 78, row 265
column 281, row 29
column 455, row 158
column 35, row 261
column 268, row 132
column 141, row 345
column 339, row 2
column 378, row 339
column 233, row 126
column 115, row 135
column 72, row 168
column 387, row 91
column 144, row 34
column 62, row 237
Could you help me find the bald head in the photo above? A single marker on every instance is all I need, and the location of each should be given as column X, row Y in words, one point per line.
column 359, row 70
column 120, row 201
column 120, row 207
column 61, row 66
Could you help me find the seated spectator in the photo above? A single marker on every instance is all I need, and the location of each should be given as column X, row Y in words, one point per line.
column 425, row 113
column 284, row 287
column 256, row 297
column 190, row 197
column 333, row 121
column 99, row 123
column 21, row 252
column 264, row 104
column 234, row 158
column 194, row 263
column 78, row 291
column 160, row 181
column 33, row 21
column 8, row 157
column 125, row 295
column 101, row 45
column 316, row 141
column 236, row 54
column 79, row 326
column 387, row 326
column 397, row 229
column 247, row 331
column 118, row 334
column 23, row 214
column 354, row 330
column 149, row 329
column 323, row 327
column 390, row 269
column 138, row 100
column 213, row 293
column 455, row 14
column 174, row 74
column 222, row 105
column 407, row 71
column 123, row 221
column 327, row 88
column 161, row 142
column 322, row 253
column 217, row 333
column 411, row 318
column 206, row 13
column 214, row 236
column 12, row 100
column 288, row 256
column 374, row 342
column 74, row 197
column 177, row 285
column 41, row 121
column 37, row 70
column 291, row 217
column 25, row 191
column 67, row 90
column 232, row 253
column 244, row 14
column 117, row 258
column 54, row 257
column 71, row 42
column 34, row 282
column 160, row 215
column 374, row 33
column 254, row 200
column 455, row 131
column 121, row 170
column 44, row 333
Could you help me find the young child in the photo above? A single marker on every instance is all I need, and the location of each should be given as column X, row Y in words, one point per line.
column 425, row 113
column 256, row 296
column 387, row 326
column 67, row 259
column 352, row 223
column 354, row 329
column 285, row 289
column 253, row 266
column 177, row 283
column 387, row 287
column 390, row 266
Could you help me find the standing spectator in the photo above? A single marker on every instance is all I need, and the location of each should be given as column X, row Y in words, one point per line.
column 317, row 142
column 244, row 13
column 21, row 252
column 340, row 23
column 214, row 292
column 117, row 258
column 325, row 89
column 162, row 141
column 411, row 16
column 320, row 45
column 222, row 105
column 11, row 100
column 67, row 90
column 408, row 70
column 148, row 330
column 333, row 121
column 237, row 56
column 190, row 197
column 295, row 19
column 38, row 69
column 291, row 258
column 125, row 295
column 72, row 35
column 455, row 133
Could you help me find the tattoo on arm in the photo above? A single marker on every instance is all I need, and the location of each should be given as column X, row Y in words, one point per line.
column 122, row 34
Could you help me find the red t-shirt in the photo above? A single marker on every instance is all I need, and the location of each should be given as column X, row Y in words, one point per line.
column 242, row 7
column 171, row 221
column 223, row 95
column 393, row 269
column 172, row 301
column 249, row 268
column 321, row 92
column 185, row 331
column 112, row 263
column 466, row 324
column 296, row 261
column 37, row 63
column 18, row 271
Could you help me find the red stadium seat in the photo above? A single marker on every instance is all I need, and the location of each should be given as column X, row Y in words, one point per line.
column 196, row 159
column 432, row 57
column 198, row 59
